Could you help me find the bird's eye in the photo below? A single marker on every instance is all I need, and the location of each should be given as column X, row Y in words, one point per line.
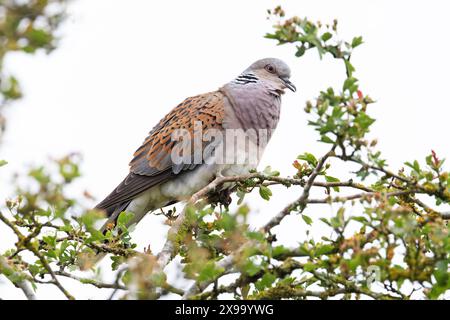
column 270, row 68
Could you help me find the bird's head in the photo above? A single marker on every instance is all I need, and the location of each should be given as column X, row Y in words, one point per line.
column 274, row 71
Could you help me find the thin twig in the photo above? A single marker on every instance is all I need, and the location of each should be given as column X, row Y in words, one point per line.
column 365, row 195
column 95, row 283
column 301, row 201
column 376, row 168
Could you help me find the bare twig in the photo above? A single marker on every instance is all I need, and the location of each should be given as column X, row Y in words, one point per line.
column 116, row 282
column 444, row 215
column 376, row 168
column 364, row 195
column 93, row 282
column 301, row 201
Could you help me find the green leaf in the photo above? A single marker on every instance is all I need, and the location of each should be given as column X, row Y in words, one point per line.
column 89, row 219
column 362, row 220
column 326, row 36
column 245, row 289
column 332, row 179
column 349, row 67
column 226, row 222
column 415, row 166
column 124, row 218
column 324, row 249
column 325, row 220
column 326, row 139
column 117, row 261
column 279, row 250
column 338, row 220
column 265, row 282
column 357, row 41
column 96, row 235
column 251, row 269
column 43, row 213
column 3, row 163
column 38, row 38
column 265, row 192
column 307, row 219
column 323, row 107
column 355, row 262
column 69, row 171
column 209, row 272
column 243, row 210
column 50, row 240
column 300, row 51
column 364, row 120
column 62, row 249
column 350, row 84
column 273, row 173
column 255, row 235
column 309, row 266
column 441, row 273
column 11, row 89
column 308, row 157
column 40, row 175
column 241, row 195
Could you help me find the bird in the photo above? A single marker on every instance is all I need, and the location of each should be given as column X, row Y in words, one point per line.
column 166, row 169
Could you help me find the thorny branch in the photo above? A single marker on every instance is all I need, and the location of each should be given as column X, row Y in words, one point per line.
column 227, row 263
column 301, row 201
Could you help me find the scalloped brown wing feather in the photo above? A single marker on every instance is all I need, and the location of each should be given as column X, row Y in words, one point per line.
column 152, row 163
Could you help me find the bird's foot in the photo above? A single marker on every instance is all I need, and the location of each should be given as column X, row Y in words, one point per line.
column 222, row 197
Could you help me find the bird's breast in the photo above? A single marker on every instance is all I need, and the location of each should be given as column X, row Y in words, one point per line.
column 235, row 155
column 252, row 106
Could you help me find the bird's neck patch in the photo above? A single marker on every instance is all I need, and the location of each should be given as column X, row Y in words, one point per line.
column 246, row 78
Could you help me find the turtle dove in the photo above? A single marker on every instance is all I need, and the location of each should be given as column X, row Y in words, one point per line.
column 250, row 103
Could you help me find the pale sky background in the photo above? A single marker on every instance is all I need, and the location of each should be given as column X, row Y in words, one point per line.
column 122, row 65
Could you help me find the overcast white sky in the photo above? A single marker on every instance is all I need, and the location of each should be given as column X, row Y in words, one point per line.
column 122, row 65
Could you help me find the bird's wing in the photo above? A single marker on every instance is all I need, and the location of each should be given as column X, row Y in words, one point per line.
column 152, row 162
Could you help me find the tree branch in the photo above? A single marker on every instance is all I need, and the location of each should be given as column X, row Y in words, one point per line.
column 364, row 195
column 302, row 200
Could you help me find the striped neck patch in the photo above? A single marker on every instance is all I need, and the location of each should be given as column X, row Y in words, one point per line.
column 246, row 78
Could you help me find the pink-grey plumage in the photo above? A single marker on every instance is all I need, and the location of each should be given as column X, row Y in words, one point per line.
column 251, row 101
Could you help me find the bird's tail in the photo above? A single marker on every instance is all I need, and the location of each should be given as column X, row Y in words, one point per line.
column 112, row 214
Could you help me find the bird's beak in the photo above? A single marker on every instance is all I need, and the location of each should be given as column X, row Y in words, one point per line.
column 288, row 84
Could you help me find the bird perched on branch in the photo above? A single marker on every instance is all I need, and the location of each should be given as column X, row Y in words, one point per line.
column 217, row 133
